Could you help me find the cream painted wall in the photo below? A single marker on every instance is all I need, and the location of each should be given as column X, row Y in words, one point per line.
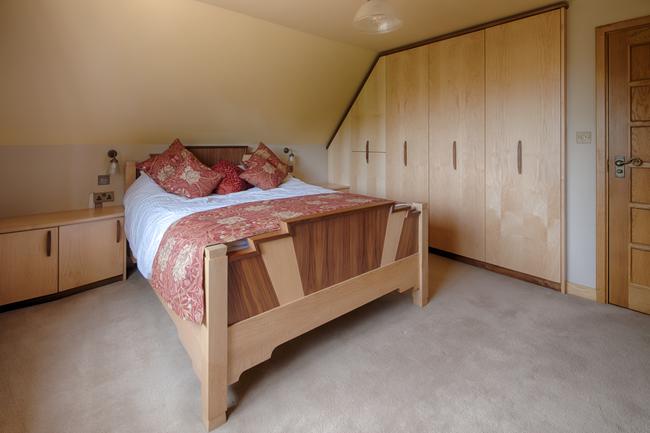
column 146, row 71
column 80, row 77
column 583, row 17
column 38, row 179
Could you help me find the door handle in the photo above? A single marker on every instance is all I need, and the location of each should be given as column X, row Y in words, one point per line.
column 367, row 151
column 119, row 231
column 519, row 161
column 453, row 155
column 406, row 151
column 634, row 161
column 48, row 243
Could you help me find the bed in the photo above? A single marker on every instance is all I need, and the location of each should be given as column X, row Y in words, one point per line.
column 267, row 289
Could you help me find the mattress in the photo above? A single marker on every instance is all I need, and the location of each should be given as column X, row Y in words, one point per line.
column 150, row 211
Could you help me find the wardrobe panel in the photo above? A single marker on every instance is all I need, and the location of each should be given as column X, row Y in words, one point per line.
column 369, row 116
column 368, row 174
column 338, row 155
column 407, row 125
column 457, row 145
column 523, row 145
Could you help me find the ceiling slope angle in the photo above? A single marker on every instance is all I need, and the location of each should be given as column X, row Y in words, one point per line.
column 422, row 19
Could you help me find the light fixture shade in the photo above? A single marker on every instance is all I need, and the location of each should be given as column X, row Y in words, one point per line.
column 376, row 16
column 112, row 167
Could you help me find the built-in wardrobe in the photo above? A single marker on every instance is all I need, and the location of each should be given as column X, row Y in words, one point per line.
column 473, row 125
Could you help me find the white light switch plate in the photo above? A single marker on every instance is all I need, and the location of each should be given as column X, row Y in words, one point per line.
column 583, row 137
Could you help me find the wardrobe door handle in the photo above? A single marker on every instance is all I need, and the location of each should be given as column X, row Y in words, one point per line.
column 519, row 162
column 48, row 243
column 367, row 151
column 406, row 152
column 119, row 231
column 453, row 153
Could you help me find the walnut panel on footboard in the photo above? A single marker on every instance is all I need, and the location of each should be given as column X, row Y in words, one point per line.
column 310, row 254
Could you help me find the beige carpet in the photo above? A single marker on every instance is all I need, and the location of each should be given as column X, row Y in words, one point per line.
column 488, row 354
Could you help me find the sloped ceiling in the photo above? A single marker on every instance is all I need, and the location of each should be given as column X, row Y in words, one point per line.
column 422, row 18
column 121, row 72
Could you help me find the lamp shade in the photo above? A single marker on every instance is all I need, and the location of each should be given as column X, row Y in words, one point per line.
column 376, row 16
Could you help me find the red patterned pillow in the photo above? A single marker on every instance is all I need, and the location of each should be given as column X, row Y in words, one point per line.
column 262, row 173
column 231, row 181
column 178, row 171
column 264, row 152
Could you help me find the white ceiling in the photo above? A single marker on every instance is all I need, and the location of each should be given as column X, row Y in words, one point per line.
column 422, row 18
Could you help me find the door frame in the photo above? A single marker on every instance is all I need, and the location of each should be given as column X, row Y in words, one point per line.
column 602, row 156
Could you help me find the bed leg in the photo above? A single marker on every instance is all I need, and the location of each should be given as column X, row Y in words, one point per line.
column 214, row 338
column 421, row 293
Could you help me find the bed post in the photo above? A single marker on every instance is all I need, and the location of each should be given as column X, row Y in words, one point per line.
column 214, row 338
column 421, row 295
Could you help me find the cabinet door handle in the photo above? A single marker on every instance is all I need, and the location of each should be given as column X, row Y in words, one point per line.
column 453, row 155
column 48, row 244
column 119, row 231
column 406, row 152
column 519, row 162
column 367, row 151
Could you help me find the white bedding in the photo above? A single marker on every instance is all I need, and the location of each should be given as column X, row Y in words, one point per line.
column 150, row 210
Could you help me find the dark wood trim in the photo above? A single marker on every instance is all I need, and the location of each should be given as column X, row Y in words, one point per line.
column 58, row 295
column 498, row 269
column 351, row 103
column 483, row 26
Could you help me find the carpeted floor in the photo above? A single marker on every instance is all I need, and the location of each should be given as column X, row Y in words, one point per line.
column 488, row 354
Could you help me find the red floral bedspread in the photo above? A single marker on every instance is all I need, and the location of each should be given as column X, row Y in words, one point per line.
column 178, row 266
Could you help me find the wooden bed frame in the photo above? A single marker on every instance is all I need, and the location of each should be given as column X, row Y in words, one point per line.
column 286, row 283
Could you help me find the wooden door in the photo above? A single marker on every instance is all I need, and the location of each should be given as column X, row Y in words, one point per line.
column 629, row 168
column 368, row 116
column 457, row 145
column 90, row 252
column 524, row 145
column 368, row 174
column 407, row 125
column 28, row 265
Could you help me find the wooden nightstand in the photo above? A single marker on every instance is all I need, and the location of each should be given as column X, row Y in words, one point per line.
column 335, row 187
column 43, row 256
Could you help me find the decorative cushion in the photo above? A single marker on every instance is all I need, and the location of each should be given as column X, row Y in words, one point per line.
column 262, row 173
column 178, row 171
column 264, row 152
column 231, row 181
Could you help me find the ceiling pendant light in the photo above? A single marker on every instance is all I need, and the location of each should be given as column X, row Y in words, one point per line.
column 376, row 16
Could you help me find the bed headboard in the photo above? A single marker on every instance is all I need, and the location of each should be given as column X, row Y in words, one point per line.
column 208, row 155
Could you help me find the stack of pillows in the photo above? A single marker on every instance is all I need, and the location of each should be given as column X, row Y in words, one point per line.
column 179, row 172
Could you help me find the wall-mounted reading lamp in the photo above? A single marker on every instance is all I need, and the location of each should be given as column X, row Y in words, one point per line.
column 292, row 159
column 114, row 164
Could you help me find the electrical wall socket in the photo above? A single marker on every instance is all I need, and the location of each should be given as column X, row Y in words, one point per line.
column 101, row 197
column 583, row 137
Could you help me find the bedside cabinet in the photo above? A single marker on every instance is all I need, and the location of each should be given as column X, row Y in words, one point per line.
column 44, row 255
column 335, row 187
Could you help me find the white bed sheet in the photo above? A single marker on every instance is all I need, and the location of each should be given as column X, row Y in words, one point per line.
column 150, row 210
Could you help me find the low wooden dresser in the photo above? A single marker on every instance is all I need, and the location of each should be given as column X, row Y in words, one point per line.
column 46, row 256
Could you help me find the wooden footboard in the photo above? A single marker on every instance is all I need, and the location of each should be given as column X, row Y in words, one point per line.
column 286, row 283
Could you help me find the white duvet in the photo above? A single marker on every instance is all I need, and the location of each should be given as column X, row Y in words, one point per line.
column 150, row 210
